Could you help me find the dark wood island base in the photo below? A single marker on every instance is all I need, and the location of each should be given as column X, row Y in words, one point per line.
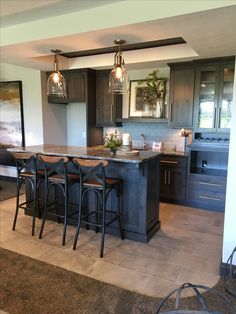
column 140, row 176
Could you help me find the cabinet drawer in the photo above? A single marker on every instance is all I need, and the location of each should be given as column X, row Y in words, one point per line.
column 173, row 161
column 208, row 182
column 209, row 192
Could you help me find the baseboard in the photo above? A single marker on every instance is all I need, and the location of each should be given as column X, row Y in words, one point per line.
column 8, row 171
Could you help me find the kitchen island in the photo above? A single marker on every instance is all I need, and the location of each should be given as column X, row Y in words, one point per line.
column 140, row 176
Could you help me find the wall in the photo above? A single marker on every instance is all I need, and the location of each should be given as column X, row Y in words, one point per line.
column 229, row 240
column 76, row 124
column 32, row 101
column 54, row 118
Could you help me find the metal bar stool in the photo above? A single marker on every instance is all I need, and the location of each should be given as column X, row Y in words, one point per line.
column 27, row 172
column 92, row 178
column 56, row 174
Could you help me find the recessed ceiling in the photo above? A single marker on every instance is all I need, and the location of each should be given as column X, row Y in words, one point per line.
column 208, row 34
column 23, row 11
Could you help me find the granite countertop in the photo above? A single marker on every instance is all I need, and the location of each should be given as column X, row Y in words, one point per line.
column 96, row 152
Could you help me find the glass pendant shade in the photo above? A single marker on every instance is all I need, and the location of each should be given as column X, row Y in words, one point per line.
column 118, row 78
column 56, row 84
column 118, row 81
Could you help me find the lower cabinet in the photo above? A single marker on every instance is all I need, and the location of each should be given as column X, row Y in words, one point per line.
column 173, row 178
column 207, row 191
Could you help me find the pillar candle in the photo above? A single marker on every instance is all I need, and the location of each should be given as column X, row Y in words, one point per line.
column 126, row 139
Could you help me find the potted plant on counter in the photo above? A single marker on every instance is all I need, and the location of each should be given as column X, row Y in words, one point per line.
column 112, row 141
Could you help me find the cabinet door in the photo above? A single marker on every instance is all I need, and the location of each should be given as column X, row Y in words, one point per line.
column 206, row 98
column 225, row 97
column 105, row 107
column 181, row 97
column 164, row 187
column 176, row 179
column 75, row 85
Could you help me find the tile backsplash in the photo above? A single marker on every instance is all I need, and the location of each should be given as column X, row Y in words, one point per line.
column 158, row 132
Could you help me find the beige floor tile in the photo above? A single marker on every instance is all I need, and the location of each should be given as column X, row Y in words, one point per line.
column 190, row 241
column 197, row 277
column 119, row 276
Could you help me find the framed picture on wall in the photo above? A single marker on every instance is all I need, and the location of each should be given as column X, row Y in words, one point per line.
column 11, row 114
column 145, row 101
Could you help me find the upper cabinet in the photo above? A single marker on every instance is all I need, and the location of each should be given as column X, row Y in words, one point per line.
column 75, row 87
column 213, row 97
column 181, row 96
column 108, row 106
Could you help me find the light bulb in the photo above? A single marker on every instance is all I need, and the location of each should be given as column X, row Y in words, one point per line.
column 56, row 77
column 118, row 72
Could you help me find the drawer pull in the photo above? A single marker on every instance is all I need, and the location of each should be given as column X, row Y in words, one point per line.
column 210, row 198
column 169, row 162
column 211, row 184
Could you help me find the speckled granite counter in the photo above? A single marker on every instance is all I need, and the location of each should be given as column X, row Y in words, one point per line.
column 140, row 177
column 97, row 152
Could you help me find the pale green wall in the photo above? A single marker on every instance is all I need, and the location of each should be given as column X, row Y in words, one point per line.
column 229, row 241
column 76, row 124
column 32, row 101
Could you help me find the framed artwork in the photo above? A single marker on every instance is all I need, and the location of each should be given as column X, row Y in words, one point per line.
column 143, row 100
column 11, row 114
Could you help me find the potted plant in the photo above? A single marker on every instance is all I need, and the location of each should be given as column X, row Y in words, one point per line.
column 112, row 141
column 156, row 91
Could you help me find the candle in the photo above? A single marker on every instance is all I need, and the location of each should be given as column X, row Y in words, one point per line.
column 126, row 139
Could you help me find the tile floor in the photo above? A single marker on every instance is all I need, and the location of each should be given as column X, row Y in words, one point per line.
column 187, row 248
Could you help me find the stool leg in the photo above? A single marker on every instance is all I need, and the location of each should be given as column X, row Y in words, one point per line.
column 77, row 228
column 103, row 222
column 65, row 216
column 96, row 227
column 34, row 182
column 46, row 192
column 17, row 202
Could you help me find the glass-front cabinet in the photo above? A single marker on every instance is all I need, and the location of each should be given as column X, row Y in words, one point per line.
column 213, row 97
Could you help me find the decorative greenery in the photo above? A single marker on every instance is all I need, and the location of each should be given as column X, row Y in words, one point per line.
column 155, row 84
column 112, row 141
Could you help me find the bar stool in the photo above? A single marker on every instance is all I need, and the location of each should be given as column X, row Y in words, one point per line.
column 92, row 178
column 56, row 174
column 27, row 172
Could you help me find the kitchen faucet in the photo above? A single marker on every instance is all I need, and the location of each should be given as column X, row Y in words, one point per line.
column 142, row 140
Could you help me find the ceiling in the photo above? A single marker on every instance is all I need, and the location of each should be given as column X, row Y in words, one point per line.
column 208, row 34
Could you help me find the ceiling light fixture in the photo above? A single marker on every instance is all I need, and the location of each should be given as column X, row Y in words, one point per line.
column 118, row 79
column 56, row 84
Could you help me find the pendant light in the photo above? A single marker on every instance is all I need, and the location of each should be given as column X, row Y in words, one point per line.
column 56, row 84
column 118, row 79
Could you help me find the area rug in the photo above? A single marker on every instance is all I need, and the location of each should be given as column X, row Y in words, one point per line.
column 29, row 286
column 8, row 188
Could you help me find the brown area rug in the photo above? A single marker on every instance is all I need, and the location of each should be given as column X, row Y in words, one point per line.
column 29, row 286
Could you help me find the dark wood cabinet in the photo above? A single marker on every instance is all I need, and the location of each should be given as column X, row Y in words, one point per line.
column 207, row 176
column 173, row 178
column 108, row 106
column 181, row 96
column 75, row 87
column 213, row 97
